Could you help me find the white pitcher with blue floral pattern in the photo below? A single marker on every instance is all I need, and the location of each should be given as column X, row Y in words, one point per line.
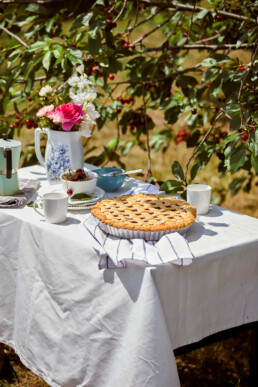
column 63, row 150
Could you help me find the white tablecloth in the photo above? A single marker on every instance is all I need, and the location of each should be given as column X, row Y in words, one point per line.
column 75, row 325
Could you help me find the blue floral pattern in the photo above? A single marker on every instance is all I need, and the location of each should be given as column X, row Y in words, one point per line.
column 58, row 162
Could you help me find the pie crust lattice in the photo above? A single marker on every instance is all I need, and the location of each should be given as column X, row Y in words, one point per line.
column 145, row 212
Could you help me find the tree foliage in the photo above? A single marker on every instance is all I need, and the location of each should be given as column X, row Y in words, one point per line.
column 216, row 99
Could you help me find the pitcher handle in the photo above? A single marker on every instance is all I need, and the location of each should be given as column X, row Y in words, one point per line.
column 40, row 158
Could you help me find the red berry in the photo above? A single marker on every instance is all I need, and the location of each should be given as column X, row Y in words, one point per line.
column 120, row 99
column 29, row 99
column 69, row 192
column 178, row 140
column 242, row 68
column 185, row 34
column 125, row 46
column 100, row 75
column 94, row 69
column 244, row 137
column 132, row 46
column 79, row 170
column 194, row 111
column 218, row 18
column 111, row 77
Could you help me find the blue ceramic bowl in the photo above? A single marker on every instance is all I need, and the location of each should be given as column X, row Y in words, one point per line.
column 109, row 183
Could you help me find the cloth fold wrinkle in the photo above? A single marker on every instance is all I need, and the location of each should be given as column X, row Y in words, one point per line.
column 27, row 188
column 116, row 252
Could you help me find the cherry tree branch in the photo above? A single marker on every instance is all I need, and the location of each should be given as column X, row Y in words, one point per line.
column 148, row 173
column 143, row 21
column 210, row 47
column 14, row 36
column 154, row 29
column 122, row 10
column 193, row 8
column 199, row 146
column 244, row 80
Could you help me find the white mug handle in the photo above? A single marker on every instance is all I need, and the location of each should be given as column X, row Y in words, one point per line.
column 36, row 202
column 40, row 158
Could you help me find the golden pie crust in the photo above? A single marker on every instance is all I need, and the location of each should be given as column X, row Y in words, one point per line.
column 145, row 212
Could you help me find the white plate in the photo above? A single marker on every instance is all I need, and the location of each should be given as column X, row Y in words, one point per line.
column 74, row 204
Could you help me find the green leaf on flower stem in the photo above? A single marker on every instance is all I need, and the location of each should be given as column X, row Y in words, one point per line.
column 46, row 60
column 177, row 170
column 171, row 186
column 235, row 185
column 254, row 162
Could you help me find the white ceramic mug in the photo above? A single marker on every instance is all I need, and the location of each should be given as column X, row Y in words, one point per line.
column 54, row 206
column 199, row 196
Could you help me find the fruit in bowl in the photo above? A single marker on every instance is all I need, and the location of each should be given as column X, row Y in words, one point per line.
column 79, row 181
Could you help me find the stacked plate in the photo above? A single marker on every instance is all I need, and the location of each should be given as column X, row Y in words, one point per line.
column 75, row 205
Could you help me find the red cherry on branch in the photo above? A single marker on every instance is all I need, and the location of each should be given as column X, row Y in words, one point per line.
column 111, row 77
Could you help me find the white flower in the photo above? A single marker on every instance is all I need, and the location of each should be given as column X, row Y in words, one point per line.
column 45, row 90
column 82, row 97
column 83, row 84
column 85, row 127
column 90, row 113
column 80, row 69
column 73, row 80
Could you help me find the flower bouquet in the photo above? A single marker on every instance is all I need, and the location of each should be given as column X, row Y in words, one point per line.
column 76, row 115
column 65, row 121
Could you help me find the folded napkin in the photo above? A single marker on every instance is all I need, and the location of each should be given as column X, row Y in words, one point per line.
column 117, row 252
column 27, row 188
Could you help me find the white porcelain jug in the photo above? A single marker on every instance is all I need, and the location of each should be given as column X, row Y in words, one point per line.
column 64, row 150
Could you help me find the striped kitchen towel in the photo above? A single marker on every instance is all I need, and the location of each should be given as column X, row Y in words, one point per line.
column 116, row 252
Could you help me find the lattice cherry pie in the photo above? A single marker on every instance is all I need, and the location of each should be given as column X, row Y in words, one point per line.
column 145, row 212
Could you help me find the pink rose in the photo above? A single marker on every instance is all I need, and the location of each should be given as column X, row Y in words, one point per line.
column 68, row 115
column 46, row 111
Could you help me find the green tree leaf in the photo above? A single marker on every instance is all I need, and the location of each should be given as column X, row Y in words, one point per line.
column 177, row 170
column 171, row 186
column 46, row 60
